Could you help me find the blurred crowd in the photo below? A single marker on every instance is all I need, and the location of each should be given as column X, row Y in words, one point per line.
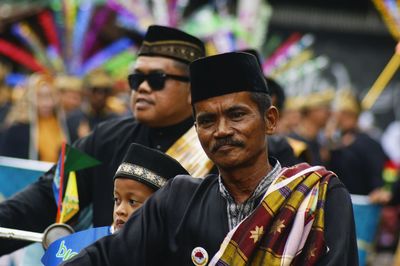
column 41, row 112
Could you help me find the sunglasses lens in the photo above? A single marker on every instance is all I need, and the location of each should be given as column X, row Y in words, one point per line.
column 156, row 81
column 135, row 80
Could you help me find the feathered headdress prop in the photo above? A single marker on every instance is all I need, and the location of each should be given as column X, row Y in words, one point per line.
column 67, row 41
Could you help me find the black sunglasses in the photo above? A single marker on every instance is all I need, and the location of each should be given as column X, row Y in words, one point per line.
column 156, row 80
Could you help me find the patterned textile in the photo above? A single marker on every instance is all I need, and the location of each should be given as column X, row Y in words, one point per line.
column 237, row 212
column 287, row 228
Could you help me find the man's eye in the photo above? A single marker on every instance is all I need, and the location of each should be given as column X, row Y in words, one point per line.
column 237, row 114
column 204, row 121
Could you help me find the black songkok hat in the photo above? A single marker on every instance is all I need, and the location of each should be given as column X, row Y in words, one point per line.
column 172, row 43
column 225, row 73
column 253, row 52
column 148, row 166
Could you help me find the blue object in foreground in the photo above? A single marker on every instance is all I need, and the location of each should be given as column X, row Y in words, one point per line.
column 69, row 246
column 366, row 217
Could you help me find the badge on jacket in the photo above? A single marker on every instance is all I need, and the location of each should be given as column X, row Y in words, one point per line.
column 199, row 256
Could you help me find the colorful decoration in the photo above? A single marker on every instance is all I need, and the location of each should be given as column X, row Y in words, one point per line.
column 70, row 160
column 67, row 40
column 222, row 30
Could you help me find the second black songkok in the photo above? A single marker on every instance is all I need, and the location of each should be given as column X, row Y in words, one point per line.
column 171, row 43
column 149, row 166
column 225, row 73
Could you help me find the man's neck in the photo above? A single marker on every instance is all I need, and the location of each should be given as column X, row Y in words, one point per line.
column 242, row 182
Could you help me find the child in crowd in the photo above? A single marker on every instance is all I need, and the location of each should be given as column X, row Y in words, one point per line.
column 142, row 172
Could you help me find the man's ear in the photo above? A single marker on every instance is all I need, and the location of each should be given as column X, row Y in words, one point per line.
column 271, row 118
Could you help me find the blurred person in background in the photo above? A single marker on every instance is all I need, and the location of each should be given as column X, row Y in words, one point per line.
column 357, row 158
column 98, row 88
column 289, row 116
column 315, row 111
column 35, row 126
column 70, row 89
column 281, row 147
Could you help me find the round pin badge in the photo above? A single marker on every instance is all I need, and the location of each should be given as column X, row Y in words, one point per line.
column 199, row 256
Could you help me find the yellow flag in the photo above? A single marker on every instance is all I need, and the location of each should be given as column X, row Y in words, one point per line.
column 70, row 205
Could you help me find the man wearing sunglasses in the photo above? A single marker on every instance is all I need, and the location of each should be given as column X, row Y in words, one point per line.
column 162, row 120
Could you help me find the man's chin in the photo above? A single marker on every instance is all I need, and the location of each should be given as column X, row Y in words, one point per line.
column 225, row 164
column 148, row 120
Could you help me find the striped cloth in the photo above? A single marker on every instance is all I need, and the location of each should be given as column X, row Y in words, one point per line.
column 287, row 228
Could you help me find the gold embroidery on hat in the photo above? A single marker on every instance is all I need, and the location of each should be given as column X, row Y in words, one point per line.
column 141, row 173
column 177, row 49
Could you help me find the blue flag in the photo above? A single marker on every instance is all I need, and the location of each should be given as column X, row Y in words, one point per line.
column 69, row 246
column 56, row 180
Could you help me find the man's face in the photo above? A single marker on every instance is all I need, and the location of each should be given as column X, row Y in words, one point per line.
column 71, row 100
column 320, row 115
column 232, row 130
column 98, row 97
column 346, row 120
column 164, row 107
column 46, row 100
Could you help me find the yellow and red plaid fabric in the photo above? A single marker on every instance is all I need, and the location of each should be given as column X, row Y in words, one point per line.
column 287, row 228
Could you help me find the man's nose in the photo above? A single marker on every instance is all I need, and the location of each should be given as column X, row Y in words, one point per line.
column 144, row 87
column 223, row 129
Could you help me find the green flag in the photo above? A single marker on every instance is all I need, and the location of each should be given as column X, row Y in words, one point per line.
column 78, row 160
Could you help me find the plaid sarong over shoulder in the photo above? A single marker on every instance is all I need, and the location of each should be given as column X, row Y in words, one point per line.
column 287, row 228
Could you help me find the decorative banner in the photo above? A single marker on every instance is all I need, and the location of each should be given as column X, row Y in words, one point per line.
column 70, row 205
column 70, row 160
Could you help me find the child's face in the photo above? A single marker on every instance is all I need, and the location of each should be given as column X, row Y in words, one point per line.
column 129, row 195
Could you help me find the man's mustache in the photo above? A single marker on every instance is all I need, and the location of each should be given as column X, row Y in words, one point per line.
column 226, row 141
